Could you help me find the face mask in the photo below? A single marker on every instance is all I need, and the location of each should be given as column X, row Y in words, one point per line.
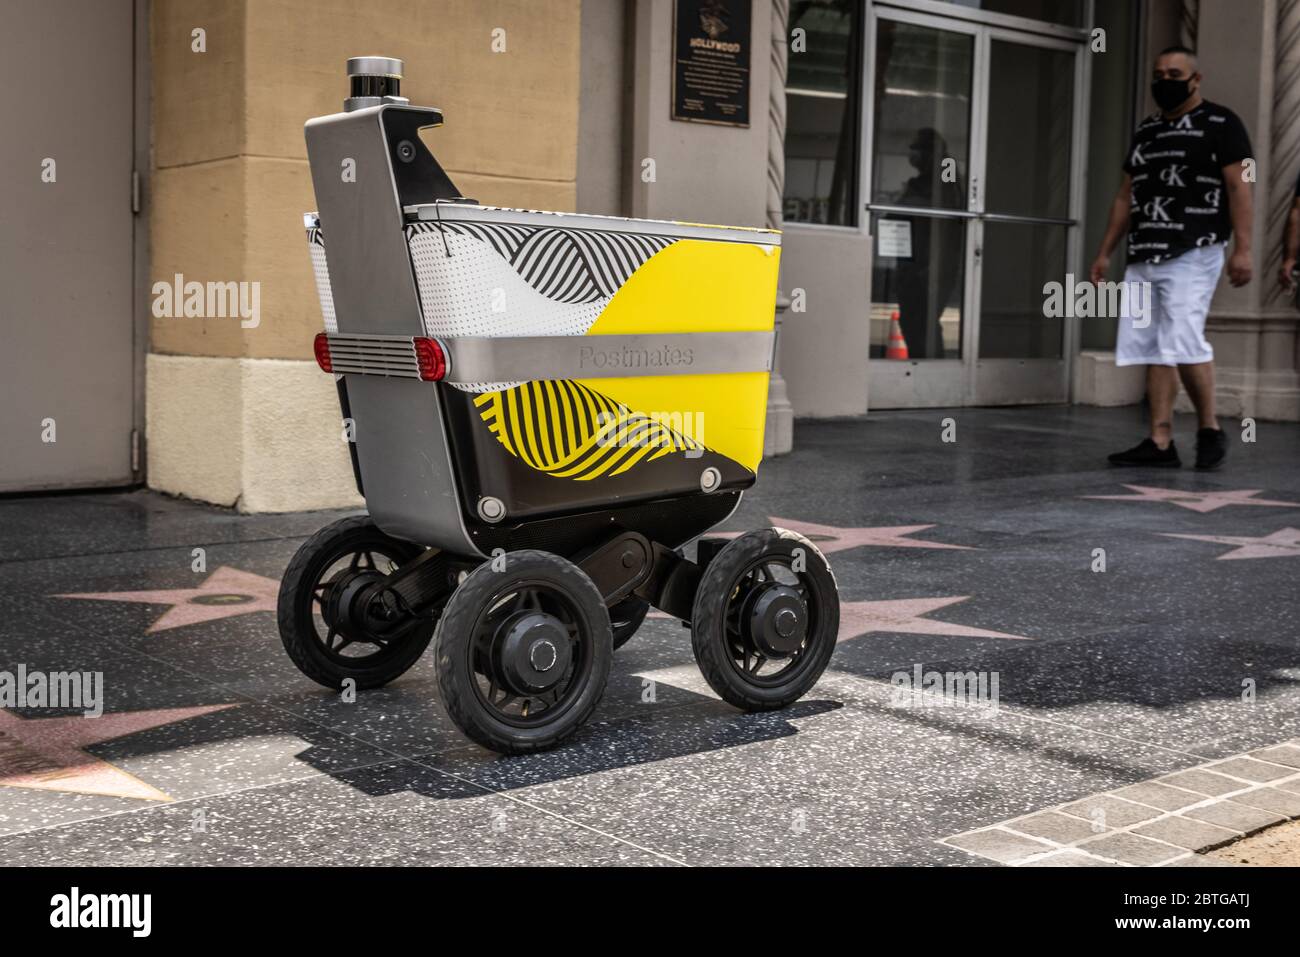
column 1170, row 94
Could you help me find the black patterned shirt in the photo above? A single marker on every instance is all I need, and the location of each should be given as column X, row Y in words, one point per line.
column 1179, row 199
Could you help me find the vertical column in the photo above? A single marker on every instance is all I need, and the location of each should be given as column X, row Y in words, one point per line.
column 779, row 436
column 704, row 172
column 698, row 172
column 1248, row 57
column 1285, row 155
column 1278, row 382
column 1188, row 23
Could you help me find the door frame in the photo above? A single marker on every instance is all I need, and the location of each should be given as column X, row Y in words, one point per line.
column 1022, row 381
column 970, row 380
column 142, row 69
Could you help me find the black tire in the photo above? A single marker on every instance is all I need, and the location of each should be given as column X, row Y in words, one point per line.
column 625, row 617
column 300, row 605
column 727, row 584
column 469, row 635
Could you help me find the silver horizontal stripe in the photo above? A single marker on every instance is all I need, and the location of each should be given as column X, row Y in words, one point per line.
column 373, row 355
column 522, row 358
column 475, row 359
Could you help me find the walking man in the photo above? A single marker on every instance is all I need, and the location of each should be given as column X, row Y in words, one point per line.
column 1184, row 195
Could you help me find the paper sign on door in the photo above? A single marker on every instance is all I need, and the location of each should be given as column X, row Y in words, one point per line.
column 894, row 238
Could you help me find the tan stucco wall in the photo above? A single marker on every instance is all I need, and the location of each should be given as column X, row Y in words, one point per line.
column 193, row 425
column 229, row 184
column 260, row 435
column 230, row 179
column 294, row 457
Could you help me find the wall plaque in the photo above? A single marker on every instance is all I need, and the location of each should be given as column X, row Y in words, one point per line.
column 711, row 40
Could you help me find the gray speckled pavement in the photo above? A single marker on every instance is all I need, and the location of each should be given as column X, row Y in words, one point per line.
column 1183, row 652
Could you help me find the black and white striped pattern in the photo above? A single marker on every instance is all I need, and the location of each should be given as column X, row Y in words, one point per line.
column 566, row 265
column 505, row 239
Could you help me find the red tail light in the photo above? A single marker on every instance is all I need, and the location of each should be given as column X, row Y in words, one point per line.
column 432, row 360
column 322, row 349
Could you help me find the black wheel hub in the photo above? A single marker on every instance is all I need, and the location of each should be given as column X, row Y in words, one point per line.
column 533, row 651
column 353, row 604
column 777, row 620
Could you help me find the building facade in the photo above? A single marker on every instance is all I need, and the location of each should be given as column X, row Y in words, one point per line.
column 933, row 166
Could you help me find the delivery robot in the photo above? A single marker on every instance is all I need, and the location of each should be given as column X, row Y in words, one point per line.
column 542, row 409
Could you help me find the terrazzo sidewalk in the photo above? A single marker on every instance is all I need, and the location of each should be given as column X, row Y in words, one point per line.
column 1112, row 648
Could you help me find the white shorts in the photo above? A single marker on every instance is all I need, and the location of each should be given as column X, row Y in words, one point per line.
column 1163, row 309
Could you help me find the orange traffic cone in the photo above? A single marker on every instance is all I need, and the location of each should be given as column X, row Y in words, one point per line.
column 897, row 347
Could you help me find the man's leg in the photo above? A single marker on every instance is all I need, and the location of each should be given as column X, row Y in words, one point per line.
column 1198, row 380
column 1211, row 442
column 1198, row 274
column 1162, row 389
column 1137, row 342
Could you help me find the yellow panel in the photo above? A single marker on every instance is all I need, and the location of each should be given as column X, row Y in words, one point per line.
column 726, row 412
column 699, row 286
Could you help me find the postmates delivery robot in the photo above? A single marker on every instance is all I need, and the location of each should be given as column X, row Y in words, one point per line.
column 545, row 407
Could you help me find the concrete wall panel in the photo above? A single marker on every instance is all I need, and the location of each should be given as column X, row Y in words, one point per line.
column 824, row 350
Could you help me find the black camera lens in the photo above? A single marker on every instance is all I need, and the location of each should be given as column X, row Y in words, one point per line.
column 376, row 86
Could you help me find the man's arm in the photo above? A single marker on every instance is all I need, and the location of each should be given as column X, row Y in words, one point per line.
column 1116, row 227
column 1241, row 208
column 1290, row 245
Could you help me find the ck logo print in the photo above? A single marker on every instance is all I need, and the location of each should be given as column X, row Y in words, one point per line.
column 1155, row 207
column 1173, row 176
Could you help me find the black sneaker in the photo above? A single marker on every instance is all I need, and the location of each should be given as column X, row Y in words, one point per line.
column 1147, row 453
column 1211, row 449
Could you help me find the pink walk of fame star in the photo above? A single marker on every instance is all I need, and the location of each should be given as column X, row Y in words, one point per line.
column 1196, row 501
column 47, row 753
column 831, row 538
column 858, row 618
column 1280, row 544
column 226, row 592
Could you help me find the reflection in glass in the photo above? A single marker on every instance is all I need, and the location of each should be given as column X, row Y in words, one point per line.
column 921, row 148
column 1031, row 112
column 1018, row 260
column 918, row 267
column 1066, row 12
column 822, row 112
column 921, row 140
column 1110, row 125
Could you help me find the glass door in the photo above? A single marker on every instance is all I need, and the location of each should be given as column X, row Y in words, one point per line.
column 1027, row 230
column 922, row 139
column 973, row 197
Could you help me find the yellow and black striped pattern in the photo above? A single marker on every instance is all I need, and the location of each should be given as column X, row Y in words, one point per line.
column 570, row 431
